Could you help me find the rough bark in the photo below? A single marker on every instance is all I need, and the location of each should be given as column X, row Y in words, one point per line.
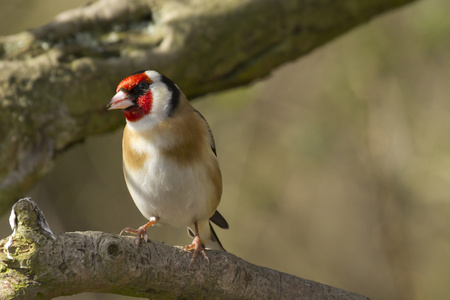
column 36, row 264
column 56, row 79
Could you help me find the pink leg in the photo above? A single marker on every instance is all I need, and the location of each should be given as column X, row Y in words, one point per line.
column 196, row 246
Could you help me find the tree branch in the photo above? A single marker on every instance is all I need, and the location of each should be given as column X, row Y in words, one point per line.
column 35, row 264
column 56, row 79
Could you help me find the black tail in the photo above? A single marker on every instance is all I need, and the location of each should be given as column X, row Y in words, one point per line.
column 215, row 239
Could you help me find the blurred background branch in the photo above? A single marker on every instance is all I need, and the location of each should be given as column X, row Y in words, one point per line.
column 56, row 79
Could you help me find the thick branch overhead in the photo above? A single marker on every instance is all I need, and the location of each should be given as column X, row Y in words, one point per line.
column 35, row 264
column 56, row 79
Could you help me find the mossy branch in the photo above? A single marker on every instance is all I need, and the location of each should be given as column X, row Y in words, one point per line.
column 36, row 264
column 56, row 79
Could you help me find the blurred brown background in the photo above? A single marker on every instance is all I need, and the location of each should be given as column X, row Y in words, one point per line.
column 336, row 168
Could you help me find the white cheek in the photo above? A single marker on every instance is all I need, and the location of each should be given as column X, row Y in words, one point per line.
column 161, row 99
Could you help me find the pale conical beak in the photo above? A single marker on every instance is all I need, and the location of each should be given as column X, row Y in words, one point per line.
column 120, row 101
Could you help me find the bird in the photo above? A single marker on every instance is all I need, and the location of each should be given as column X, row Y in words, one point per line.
column 169, row 160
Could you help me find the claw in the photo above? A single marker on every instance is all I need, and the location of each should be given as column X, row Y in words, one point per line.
column 141, row 233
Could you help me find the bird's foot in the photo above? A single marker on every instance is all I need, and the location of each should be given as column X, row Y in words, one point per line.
column 141, row 233
column 197, row 248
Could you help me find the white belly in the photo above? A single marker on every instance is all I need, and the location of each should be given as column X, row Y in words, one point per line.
column 176, row 194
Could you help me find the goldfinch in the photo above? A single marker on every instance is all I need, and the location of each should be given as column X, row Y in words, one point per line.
column 169, row 159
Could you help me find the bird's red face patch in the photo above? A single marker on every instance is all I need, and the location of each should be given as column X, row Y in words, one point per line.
column 133, row 80
column 144, row 98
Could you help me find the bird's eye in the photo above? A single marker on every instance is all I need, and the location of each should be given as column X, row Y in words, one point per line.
column 143, row 86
